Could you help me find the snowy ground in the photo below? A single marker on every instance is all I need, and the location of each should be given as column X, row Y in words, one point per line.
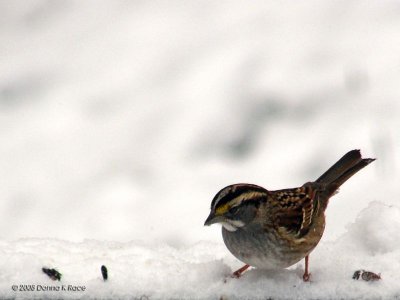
column 120, row 120
column 137, row 269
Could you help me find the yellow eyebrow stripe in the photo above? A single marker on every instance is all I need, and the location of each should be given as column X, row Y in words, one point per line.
column 222, row 209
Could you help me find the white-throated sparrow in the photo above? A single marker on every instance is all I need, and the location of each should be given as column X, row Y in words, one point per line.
column 276, row 229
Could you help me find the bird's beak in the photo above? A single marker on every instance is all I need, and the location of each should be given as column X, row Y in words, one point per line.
column 212, row 219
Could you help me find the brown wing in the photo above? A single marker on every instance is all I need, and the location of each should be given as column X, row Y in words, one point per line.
column 293, row 210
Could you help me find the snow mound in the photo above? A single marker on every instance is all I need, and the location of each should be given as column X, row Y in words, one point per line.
column 376, row 230
column 201, row 271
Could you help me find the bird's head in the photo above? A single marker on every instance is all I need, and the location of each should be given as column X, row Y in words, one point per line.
column 236, row 205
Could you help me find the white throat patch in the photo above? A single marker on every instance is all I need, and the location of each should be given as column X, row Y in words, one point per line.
column 232, row 225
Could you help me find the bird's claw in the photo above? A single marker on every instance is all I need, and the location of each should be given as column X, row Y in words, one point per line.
column 306, row 277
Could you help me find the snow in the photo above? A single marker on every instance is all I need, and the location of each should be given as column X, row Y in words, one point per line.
column 119, row 122
column 201, row 271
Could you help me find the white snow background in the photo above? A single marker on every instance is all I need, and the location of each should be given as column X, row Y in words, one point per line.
column 120, row 121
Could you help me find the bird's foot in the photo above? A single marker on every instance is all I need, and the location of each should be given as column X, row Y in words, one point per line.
column 306, row 277
column 240, row 271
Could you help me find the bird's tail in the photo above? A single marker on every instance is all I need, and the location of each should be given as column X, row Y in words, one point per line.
column 343, row 169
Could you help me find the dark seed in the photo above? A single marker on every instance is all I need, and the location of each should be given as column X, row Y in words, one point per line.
column 52, row 273
column 356, row 275
column 366, row 275
column 104, row 272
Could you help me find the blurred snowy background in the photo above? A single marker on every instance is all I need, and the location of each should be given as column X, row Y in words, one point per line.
column 120, row 120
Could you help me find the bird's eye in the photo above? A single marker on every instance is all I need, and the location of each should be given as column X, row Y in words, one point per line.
column 234, row 210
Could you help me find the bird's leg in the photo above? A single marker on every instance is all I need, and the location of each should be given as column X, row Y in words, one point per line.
column 239, row 272
column 306, row 275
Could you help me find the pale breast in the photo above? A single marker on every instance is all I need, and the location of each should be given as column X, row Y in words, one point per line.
column 269, row 250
